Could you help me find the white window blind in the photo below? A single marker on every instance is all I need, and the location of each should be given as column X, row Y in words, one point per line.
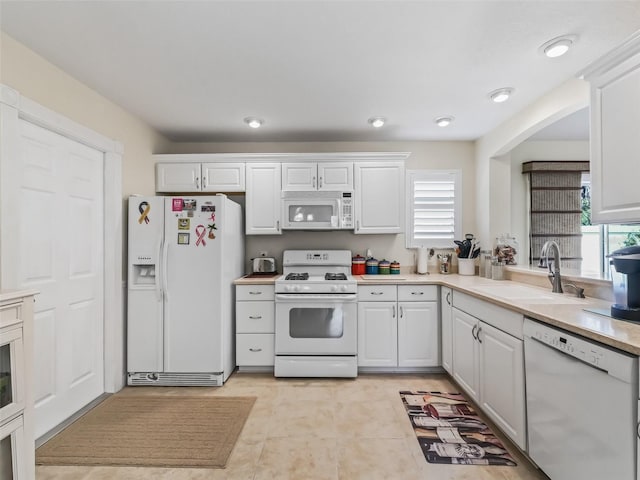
column 434, row 206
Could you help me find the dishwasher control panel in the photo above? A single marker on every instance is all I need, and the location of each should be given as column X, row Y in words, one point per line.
column 587, row 351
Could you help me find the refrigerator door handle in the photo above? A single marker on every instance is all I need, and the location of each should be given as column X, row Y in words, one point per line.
column 165, row 259
column 159, row 273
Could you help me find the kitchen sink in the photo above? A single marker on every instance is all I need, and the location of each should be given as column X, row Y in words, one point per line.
column 527, row 294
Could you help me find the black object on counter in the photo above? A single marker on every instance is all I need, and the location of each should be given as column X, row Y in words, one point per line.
column 626, row 290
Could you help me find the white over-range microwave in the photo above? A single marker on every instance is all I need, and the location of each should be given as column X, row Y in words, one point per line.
column 317, row 210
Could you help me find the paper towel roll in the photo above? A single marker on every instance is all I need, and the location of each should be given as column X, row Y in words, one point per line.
column 423, row 258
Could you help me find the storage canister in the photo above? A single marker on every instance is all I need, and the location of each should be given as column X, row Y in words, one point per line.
column 394, row 268
column 384, row 267
column 372, row 266
column 358, row 265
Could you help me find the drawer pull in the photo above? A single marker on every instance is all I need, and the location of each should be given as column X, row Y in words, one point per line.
column 417, row 293
column 255, row 293
column 255, row 317
column 255, row 349
column 377, row 293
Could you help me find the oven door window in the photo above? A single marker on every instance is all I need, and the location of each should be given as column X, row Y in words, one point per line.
column 316, row 322
column 315, row 214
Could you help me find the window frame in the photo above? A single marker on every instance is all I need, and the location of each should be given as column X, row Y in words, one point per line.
column 425, row 175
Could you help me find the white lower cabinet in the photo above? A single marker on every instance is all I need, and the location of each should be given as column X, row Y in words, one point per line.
column 398, row 326
column 255, row 326
column 488, row 362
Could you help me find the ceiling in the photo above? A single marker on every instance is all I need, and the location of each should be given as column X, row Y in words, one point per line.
column 317, row 70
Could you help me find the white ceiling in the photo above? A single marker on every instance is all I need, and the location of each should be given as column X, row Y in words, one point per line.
column 317, row 70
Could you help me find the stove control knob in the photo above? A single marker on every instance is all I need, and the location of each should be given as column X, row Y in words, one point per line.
column 334, row 288
column 343, row 288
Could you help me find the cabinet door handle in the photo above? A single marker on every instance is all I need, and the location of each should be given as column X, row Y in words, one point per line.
column 197, row 183
column 357, row 225
column 394, row 312
column 401, row 312
column 448, row 298
column 278, row 225
column 417, row 293
column 478, row 334
column 255, row 293
column 473, row 332
column 204, row 182
column 255, row 349
column 638, row 429
column 314, row 182
column 320, row 182
column 255, row 317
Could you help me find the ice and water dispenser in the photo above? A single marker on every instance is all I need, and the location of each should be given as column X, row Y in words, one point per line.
column 143, row 270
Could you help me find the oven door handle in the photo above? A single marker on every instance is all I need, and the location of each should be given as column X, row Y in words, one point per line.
column 310, row 297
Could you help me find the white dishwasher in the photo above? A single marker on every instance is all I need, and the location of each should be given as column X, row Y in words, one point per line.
column 582, row 406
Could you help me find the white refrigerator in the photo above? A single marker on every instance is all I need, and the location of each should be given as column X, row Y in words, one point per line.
column 184, row 253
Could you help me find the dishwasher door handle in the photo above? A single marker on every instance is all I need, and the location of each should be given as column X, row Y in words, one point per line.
column 595, row 367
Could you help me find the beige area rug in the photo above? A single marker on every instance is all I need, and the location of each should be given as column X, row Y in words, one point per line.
column 151, row 431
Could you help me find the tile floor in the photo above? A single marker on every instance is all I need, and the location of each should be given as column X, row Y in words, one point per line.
column 309, row 429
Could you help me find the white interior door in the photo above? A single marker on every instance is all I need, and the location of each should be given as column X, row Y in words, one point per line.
column 61, row 232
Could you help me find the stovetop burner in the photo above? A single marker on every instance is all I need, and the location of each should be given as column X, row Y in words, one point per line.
column 297, row 276
column 335, row 276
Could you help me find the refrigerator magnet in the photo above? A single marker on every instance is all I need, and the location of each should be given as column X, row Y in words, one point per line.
column 189, row 204
column 184, row 224
column 211, row 227
column 144, row 208
column 176, row 205
column 200, row 231
column 183, row 238
column 207, row 207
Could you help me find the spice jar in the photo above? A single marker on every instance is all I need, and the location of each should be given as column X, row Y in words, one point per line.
column 384, row 267
column 358, row 266
column 394, row 268
column 372, row 266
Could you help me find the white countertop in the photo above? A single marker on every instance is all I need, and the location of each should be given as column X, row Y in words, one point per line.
column 562, row 310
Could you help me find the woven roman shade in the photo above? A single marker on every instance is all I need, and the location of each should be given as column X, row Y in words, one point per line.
column 554, row 196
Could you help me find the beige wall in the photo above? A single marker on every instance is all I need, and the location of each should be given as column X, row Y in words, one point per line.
column 492, row 179
column 424, row 155
column 43, row 82
column 37, row 79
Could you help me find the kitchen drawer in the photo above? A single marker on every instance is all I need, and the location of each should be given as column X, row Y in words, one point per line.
column 506, row 320
column 417, row 293
column 377, row 293
column 255, row 317
column 255, row 349
column 10, row 314
column 255, row 292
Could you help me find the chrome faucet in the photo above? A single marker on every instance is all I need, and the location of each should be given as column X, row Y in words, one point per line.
column 554, row 275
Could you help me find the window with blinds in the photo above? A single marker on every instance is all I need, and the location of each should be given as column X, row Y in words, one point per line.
column 434, row 208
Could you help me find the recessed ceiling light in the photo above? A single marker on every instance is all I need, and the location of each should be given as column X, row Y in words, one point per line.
column 558, row 46
column 501, row 95
column 443, row 121
column 377, row 122
column 254, row 122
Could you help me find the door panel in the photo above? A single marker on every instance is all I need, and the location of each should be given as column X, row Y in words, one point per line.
column 465, row 353
column 61, row 252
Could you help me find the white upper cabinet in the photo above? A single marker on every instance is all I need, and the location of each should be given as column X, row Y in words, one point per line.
column 379, row 197
column 199, row 174
column 223, row 177
column 615, row 143
column 305, row 176
column 178, row 177
column 262, row 201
